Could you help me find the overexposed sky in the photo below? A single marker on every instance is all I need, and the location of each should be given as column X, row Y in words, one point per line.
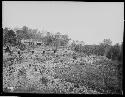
column 90, row 22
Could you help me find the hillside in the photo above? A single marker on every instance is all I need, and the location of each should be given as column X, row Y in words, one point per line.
column 51, row 68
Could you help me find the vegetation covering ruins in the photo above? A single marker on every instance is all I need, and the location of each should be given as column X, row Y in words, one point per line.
column 35, row 62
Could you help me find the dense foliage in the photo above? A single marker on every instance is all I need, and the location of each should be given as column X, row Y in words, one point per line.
column 9, row 37
column 114, row 52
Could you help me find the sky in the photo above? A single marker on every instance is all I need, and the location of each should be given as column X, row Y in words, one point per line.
column 90, row 22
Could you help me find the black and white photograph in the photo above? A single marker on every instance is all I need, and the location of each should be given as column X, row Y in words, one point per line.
column 62, row 47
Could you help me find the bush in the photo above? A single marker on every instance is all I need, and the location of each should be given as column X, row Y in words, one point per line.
column 22, row 46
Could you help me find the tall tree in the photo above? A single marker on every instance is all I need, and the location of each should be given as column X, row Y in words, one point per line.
column 105, row 46
column 114, row 52
column 9, row 37
column 107, row 42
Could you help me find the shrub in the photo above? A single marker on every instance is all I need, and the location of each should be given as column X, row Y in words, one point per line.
column 22, row 46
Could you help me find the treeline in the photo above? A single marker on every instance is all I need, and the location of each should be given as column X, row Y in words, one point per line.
column 14, row 38
column 11, row 37
column 113, row 52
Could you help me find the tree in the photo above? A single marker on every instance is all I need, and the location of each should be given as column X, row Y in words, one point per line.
column 57, row 35
column 48, row 39
column 23, row 34
column 25, row 29
column 105, row 46
column 64, row 40
column 9, row 37
column 20, row 34
column 82, row 43
column 73, row 44
column 107, row 42
column 114, row 52
column 120, row 59
column 5, row 31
